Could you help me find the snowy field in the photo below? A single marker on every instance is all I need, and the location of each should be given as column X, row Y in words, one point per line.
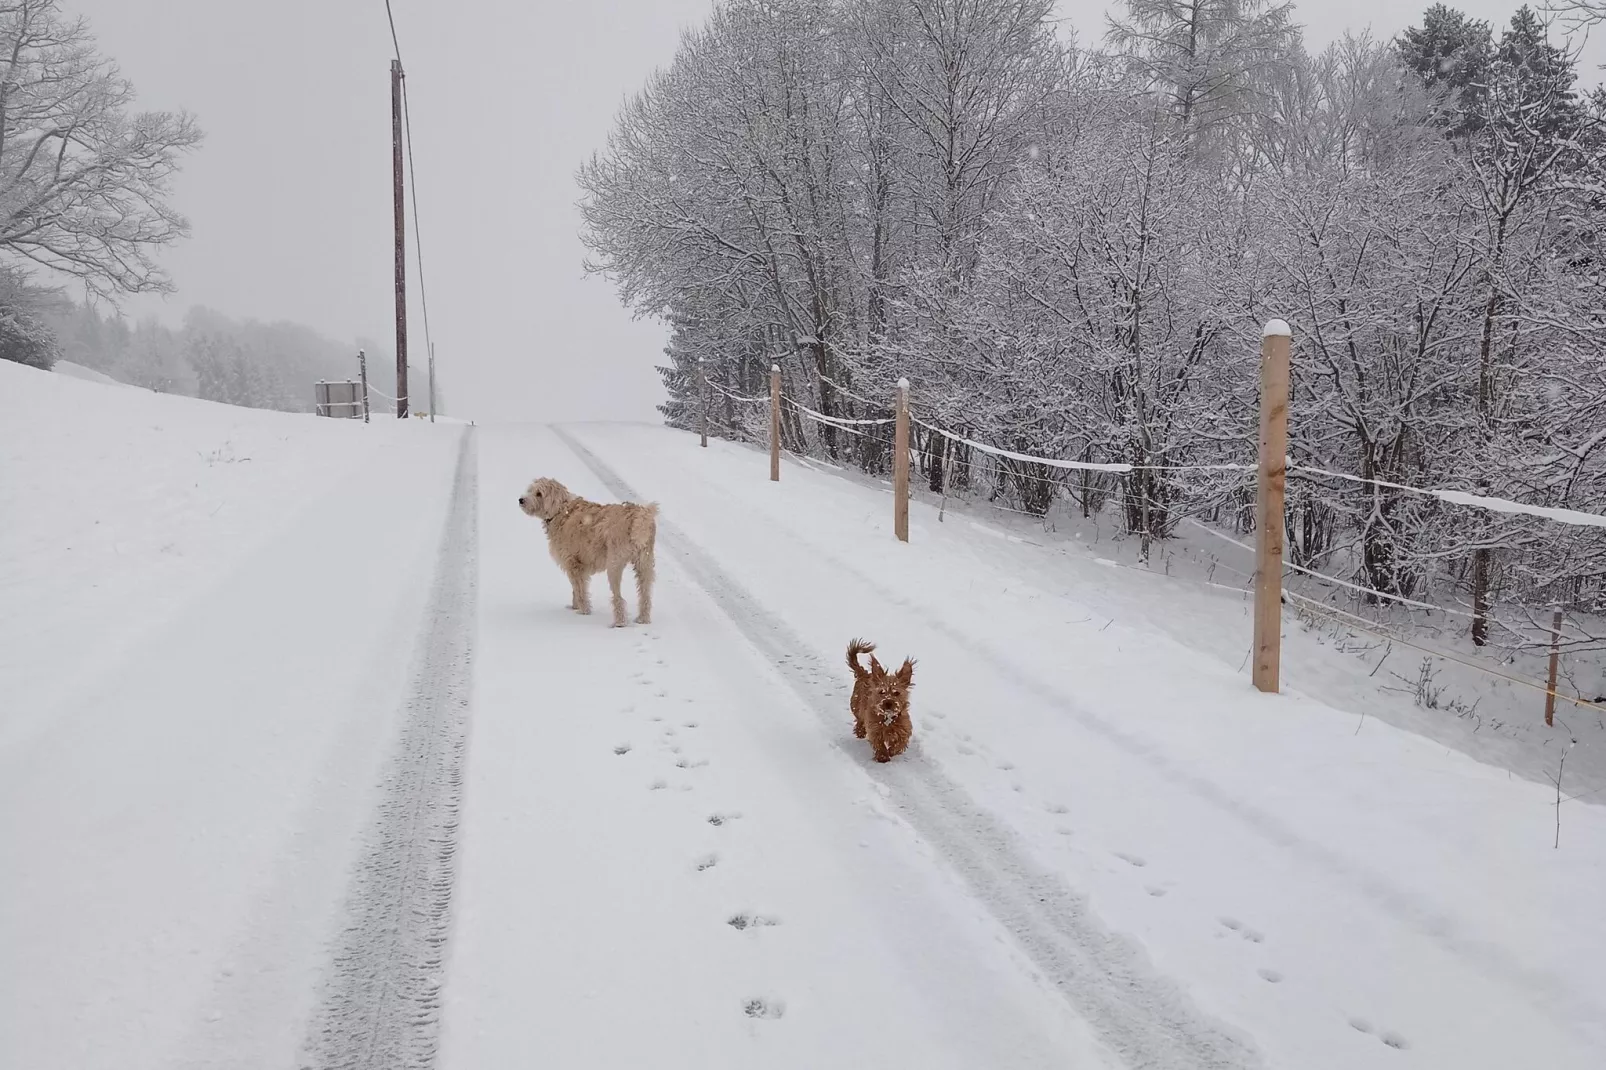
column 78, row 371
column 210, row 615
column 304, row 762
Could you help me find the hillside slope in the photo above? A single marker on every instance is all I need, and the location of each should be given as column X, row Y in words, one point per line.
column 210, row 619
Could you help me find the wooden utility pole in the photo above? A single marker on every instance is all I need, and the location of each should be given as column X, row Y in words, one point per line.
column 1555, row 663
column 702, row 373
column 900, row 461
column 362, row 371
column 401, row 237
column 1275, row 342
column 775, row 423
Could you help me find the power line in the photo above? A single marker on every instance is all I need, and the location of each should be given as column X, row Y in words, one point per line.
column 418, row 240
column 392, row 19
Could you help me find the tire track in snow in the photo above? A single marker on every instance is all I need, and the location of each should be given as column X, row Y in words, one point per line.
column 380, row 1003
column 1106, row 978
column 1403, row 904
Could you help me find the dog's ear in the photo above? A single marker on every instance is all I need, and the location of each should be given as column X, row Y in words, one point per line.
column 876, row 671
column 906, row 672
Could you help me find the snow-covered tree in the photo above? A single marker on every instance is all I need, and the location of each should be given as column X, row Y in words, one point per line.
column 25, row 336
column 1070, row 251
column 84, row 179
column 1207, row 59
column 1450, row 53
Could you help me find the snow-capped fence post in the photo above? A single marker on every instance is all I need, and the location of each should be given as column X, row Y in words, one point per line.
column 702, row 373
column 432, row 382
column 775, row 423
column 1555, row 661
column 900, row 461
column 362, row 371
column 1275, row 342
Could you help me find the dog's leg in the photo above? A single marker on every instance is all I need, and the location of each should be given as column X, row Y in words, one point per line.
column 878, row 744
column 616, row 573
column 644, row 577
column 582, row 591
column 900, row 731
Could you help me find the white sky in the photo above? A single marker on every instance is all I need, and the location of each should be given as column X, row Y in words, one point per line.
column 290, row 195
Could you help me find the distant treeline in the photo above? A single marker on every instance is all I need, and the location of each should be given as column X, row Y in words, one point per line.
column 211, row 356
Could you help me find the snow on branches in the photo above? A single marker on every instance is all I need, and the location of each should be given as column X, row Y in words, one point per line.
column 1070, row 251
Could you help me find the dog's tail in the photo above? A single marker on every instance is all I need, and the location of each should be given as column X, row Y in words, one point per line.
column 855, row 648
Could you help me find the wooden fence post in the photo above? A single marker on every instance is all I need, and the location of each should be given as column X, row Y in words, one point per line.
column 702, row 372
column 900, row 461
column 1275, row 342
column 775, row 423
column 1555, row 660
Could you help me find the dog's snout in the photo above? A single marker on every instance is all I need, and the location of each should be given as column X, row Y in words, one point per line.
column 523, row 502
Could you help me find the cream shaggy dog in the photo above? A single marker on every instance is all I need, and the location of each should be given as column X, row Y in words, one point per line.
column 587, row 538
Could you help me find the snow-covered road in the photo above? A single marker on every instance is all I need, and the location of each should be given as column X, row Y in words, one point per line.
column 667, row 861
column 1195, row 874
column 307, row 764
column 1201, row 875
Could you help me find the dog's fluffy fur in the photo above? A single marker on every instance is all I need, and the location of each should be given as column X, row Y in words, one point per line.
column 587, row 538
column 881, row 702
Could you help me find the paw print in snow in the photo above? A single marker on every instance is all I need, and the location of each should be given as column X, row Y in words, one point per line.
column 764, row 1008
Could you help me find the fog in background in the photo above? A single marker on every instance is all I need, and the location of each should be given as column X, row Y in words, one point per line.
column 290, row 198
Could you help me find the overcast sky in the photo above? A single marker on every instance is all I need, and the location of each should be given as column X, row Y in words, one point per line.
column 290, row 195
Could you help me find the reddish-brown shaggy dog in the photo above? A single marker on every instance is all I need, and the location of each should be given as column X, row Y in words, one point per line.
column 881, row 702
column 587, row 538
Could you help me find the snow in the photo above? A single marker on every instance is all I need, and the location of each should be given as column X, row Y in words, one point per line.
column 122, row 505
column 1576, row 517
column 632, row 793
column 1503, row 505
column 208, row 615
column 1277, row 329
column 302, row 755
column 78, row 371
column 1381, row 880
